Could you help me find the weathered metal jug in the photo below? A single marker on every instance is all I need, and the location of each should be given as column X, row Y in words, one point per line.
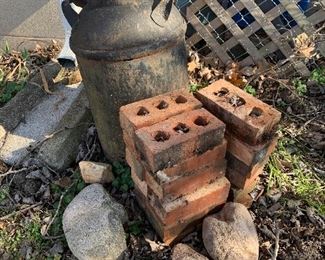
column 127, row 50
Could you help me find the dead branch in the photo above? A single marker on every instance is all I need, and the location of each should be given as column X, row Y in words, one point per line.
column 20, row 211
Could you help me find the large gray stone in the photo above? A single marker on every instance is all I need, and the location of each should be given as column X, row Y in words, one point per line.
column 92, row 224
column 65, row 113
column 231, row 234
column 184, row 252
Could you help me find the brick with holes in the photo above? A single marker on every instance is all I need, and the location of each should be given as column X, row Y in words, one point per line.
column 156, row 109
column 183, row 136
column 250, row 119
column 166, row 187
column 204, row 199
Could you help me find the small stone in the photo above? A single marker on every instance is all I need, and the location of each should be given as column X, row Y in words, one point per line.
column 95, row 172
column 93, row 225
column 184, row 252
column 231, row 234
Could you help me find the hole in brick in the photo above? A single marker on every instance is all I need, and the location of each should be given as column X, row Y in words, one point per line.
column 222, row 92
column 182, row 128
column 180, row 100
column 237, row 101
column 256, row 112
column 201, row 121
column 143, row 111
column 162, row 105
column 161, row 136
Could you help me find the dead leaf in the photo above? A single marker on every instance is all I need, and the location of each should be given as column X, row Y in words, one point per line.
column 304, row 45
column 44, row 81
column 64, row 182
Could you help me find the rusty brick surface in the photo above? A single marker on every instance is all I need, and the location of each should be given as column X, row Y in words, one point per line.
column 202, row 200
column 156, row 109
column 165, row 144
column 136, row 167
column 166, row 187
column 247, row 117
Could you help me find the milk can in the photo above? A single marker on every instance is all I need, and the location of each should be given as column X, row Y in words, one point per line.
column 127, row 50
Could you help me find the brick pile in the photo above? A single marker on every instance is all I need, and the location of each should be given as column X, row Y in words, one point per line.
column 250, row 132
column 176, row 150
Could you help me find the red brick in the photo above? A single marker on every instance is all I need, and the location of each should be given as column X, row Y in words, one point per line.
column 136, row 167
column 243, row 195
column 210, row 157
column 253, row 121
column 249, row 154
column 129, row 144
column 156, row 109
column 202, row 200
column 139, row 185
column 172, row 233
column 163, row 144
column 241, row 181
column 247, row 170
column 166, row 187
column 243, row 198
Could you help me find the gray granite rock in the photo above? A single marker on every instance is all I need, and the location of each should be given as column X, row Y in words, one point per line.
column 231, row 234
column 93, row 225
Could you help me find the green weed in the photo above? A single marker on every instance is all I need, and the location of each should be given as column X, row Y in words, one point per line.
column 68, row 194
column 135, row 227
column 13, row 237
column 123, row 180
column 195, row 87
column 300, row 86
column 288, row 170
column 318, row 75
column 4, row 190
column 6, row 49
column 250, row 90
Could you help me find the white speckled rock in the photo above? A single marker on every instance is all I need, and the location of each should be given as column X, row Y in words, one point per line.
column 231, row 234
column 184, row 252
column 93, row 225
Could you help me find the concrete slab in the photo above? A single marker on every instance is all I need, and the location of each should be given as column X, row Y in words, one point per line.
column 66, row 108
column 29, row 21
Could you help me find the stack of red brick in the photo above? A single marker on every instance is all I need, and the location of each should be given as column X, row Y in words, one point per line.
column 250, row 133
column 176, row 150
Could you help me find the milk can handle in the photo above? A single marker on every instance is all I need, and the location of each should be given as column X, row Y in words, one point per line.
column 160, row 11
column 69, row 12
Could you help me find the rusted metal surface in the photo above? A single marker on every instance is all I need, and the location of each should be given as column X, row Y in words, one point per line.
column 127, row 51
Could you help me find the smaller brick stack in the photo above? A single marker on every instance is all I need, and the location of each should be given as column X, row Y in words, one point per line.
column 250, row 133
column 176, row 151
